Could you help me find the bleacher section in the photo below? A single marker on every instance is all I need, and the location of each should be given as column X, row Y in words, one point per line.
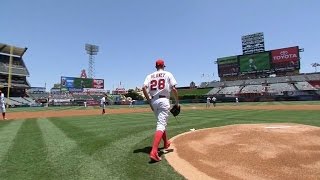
column 252, row 89
column 37, row 96
column 313, row 77
column 16, row 70
column 280, row 88
column 96, row 97
column 81, row 96
column 12, row 103
column 304, row 86
column 29, row 99
column 213, row 91
column 269, row 80
column 232, row 90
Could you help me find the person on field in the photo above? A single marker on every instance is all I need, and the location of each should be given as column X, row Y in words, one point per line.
column 214, row 99
column 156, row 88
column 103, row 104
column 208, row 102
column 2, row 106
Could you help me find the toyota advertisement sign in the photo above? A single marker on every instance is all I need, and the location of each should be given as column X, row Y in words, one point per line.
column 285, row 59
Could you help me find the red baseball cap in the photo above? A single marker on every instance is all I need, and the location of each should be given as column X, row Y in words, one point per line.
column 160, row 62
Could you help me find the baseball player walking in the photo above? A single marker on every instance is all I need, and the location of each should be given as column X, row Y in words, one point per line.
column 156, row 88
column 2, row 106
column 214, row 101
column 208, row 102
column 103, row 104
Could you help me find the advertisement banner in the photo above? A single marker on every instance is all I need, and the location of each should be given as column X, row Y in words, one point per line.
column 94, row 90
column 228, row 66
column 67, row 82
column 285, row 59
column 227, row 60
column 83, row 83
column 80, row 83
column 98, row 83
column 75, row 89
column 255, row 63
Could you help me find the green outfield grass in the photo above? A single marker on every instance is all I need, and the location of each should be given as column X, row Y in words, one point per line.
column 59, row 108
column 114, row 146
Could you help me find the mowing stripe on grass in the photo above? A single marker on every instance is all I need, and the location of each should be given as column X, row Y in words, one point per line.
column 64, row 152
column 27, row 155
column 7, row 135
column 90, row 141
column 4, row 124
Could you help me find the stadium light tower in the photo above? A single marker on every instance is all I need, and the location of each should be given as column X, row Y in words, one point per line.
column 91, row 50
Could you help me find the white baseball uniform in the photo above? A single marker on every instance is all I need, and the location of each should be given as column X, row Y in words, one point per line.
column 159, row 85
column 2, row 104
column 208, row 102
column 102, row 102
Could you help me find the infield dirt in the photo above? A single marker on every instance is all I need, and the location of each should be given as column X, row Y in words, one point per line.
column 262, row 151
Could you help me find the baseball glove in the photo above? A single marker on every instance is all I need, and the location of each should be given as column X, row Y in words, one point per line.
column 175, row 110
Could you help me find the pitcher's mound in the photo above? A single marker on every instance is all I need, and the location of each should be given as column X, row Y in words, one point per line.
column 260, row 151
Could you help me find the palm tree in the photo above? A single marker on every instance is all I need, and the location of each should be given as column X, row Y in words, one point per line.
column 315, row 65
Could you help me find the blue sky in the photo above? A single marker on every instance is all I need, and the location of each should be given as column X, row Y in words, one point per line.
column 188, row 34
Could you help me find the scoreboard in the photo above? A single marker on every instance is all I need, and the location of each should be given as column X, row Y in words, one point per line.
column 274, row 61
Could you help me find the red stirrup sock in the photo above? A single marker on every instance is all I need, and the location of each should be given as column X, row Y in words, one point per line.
column 164, row 137
column 156, row 142
column 166, row 143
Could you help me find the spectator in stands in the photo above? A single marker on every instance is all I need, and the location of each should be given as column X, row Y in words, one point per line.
column 2, row 106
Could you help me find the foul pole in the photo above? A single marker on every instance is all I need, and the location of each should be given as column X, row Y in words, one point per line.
column 9, row 73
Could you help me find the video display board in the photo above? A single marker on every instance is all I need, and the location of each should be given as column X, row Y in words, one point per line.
column 255, row 63
column 228, row 66
column 74, row 84
column 285, row 59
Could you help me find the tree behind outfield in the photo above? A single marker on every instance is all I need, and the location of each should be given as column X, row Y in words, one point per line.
column 134, row 95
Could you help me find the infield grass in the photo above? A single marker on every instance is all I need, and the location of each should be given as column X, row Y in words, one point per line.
column 110, row 147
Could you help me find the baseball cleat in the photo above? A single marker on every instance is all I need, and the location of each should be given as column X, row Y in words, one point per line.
column 167, row 145
column 155, row 157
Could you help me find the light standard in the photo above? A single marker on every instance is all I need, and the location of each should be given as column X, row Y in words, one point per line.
column 91, row 50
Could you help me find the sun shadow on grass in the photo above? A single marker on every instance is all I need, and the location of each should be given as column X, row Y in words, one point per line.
column 147, row 150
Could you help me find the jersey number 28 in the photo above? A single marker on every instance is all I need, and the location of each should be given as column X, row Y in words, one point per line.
column 157, row 84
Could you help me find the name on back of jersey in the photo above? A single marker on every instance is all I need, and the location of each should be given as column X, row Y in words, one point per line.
column 158, row 75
